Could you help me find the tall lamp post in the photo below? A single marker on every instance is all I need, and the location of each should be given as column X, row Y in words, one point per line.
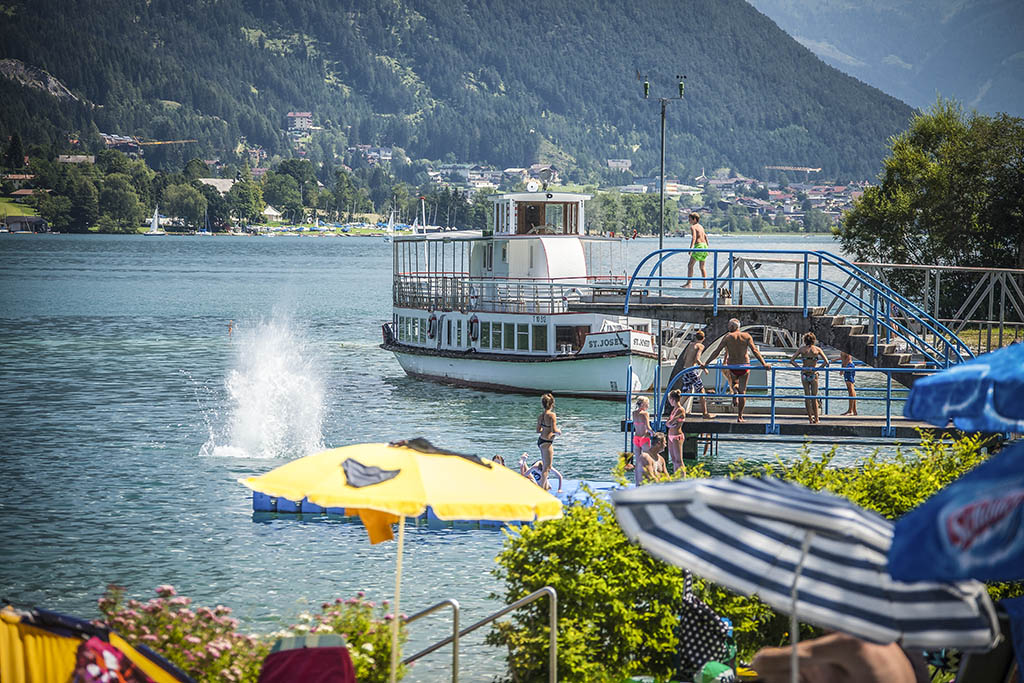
column 637, row 469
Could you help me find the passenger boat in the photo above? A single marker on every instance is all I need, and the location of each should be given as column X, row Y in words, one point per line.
column 493, row 309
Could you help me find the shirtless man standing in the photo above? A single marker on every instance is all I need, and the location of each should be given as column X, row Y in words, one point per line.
column 698, row 240
column 737, row 345
column 691, row 383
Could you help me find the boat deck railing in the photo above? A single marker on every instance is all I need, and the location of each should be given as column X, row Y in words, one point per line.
column 502, row 295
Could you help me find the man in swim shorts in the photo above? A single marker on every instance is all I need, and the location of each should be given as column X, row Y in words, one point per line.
column 698, row 240
column 737, row 346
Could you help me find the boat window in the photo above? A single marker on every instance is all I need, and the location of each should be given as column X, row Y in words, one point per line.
column 495, row 335
column 570, row 337
column 489, row 256
column 554, row 215
column 485, row 335
column 522, row 337
column 540, row 337
column 510, row 336
column 458, row 333
column 448, row 331
column 423, row 330
column 504, row 253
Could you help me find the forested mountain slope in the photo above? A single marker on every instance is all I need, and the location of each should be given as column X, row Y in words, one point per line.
column 501, row 81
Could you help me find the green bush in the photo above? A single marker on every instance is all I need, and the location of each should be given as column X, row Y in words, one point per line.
column 617, row 605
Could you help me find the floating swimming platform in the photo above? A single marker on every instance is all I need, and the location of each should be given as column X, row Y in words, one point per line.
column 574, row 492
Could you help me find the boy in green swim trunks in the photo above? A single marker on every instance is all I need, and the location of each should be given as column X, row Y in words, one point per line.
column 698, row 240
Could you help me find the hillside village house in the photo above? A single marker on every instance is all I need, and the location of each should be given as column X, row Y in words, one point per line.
column 271, row 214
column 300, row 120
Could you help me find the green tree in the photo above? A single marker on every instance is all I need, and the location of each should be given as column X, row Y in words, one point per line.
column 195, row 169
column 85, row 204
column 14, row 157
column 245, row 198
column 815, row 220
column 56, row 209
column 951, row 193
column 120, row 203
column 186, row 202
column 281, row 191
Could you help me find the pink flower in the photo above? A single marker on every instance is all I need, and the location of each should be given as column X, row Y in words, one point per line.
column 360, row 594
column 166, row 590
column 221, row 609
column 192, row 639
column 212, row 651
column 180, row 600
column 150, row 638
column 337, row 601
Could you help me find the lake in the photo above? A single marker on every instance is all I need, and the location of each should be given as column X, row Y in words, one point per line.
column 142, row 377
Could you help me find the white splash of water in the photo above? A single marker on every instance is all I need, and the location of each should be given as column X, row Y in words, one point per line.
column 275, row 395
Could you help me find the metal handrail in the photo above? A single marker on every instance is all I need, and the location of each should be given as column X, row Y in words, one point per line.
column 552, row 628
column 454, row 604
column 773, row 394
column 878, row 307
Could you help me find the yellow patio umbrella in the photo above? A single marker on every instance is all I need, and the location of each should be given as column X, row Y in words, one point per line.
column 385, row 483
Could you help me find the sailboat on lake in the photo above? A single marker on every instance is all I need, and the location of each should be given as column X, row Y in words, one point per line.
column 154, row 225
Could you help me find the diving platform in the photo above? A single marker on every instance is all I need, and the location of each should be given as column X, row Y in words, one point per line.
column 830, row 427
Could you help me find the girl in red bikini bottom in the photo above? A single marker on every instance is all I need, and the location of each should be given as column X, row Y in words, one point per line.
column 675, row 430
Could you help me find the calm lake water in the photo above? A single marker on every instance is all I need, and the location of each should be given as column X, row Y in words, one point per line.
column 128, row 412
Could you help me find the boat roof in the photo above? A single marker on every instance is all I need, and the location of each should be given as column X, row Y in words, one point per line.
column 541, row 197
column 441, row 235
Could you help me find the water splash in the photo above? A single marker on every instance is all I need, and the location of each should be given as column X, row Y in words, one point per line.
column 275, row 395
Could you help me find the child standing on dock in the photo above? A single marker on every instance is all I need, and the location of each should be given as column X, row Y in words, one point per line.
column 846, row 360
column 809, row 353
column 676, row 437
column 641, row 432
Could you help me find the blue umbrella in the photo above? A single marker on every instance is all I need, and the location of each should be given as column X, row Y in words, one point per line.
column 985, row 394
column 972, row 529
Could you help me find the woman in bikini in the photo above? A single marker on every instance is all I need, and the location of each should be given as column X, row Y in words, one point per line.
column 547, row 427
column 641, row 428
column 676, row 438
column 809, row 354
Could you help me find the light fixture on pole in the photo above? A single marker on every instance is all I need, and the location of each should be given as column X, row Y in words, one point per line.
column 661, row 224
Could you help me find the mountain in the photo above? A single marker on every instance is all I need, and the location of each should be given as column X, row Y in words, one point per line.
column 501, row 81
column 968, row 50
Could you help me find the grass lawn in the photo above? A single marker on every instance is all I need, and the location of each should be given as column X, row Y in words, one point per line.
column 8, row 207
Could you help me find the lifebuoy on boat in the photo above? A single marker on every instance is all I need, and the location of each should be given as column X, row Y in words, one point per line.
column 474, row 328
column 432, row 326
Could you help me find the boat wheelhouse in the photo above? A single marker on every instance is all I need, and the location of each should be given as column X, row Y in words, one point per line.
column 492, row 309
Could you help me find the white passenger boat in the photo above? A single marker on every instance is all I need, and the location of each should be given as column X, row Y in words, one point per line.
column 491, row 309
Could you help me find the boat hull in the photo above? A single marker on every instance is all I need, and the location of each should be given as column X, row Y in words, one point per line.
column 602, row 376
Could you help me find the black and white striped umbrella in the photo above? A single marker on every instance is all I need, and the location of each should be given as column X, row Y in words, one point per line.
column 813, row 555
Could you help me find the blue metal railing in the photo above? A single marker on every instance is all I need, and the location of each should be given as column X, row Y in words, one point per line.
column 942, row 349
column 775, row 393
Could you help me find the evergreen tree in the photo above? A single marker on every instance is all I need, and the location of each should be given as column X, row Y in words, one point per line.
column 14, row 157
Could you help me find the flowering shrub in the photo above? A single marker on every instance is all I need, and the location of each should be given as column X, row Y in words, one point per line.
column 364, row 626
column 205, row 644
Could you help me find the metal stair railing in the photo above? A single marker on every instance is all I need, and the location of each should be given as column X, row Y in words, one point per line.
column 457, row 634
column 877, row 307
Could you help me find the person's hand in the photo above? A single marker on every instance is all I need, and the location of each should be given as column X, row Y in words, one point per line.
column 836, row 658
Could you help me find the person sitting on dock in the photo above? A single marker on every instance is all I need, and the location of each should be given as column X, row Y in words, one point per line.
column 691, row 382
column 641, row 427
column 737, row 346
column 536, row 471
column 652, row 460
column 676, row 437
column 846, row 360
column 809, row 353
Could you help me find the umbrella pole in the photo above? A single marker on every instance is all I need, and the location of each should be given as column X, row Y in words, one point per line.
column 794, row 624
column 398, row 590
